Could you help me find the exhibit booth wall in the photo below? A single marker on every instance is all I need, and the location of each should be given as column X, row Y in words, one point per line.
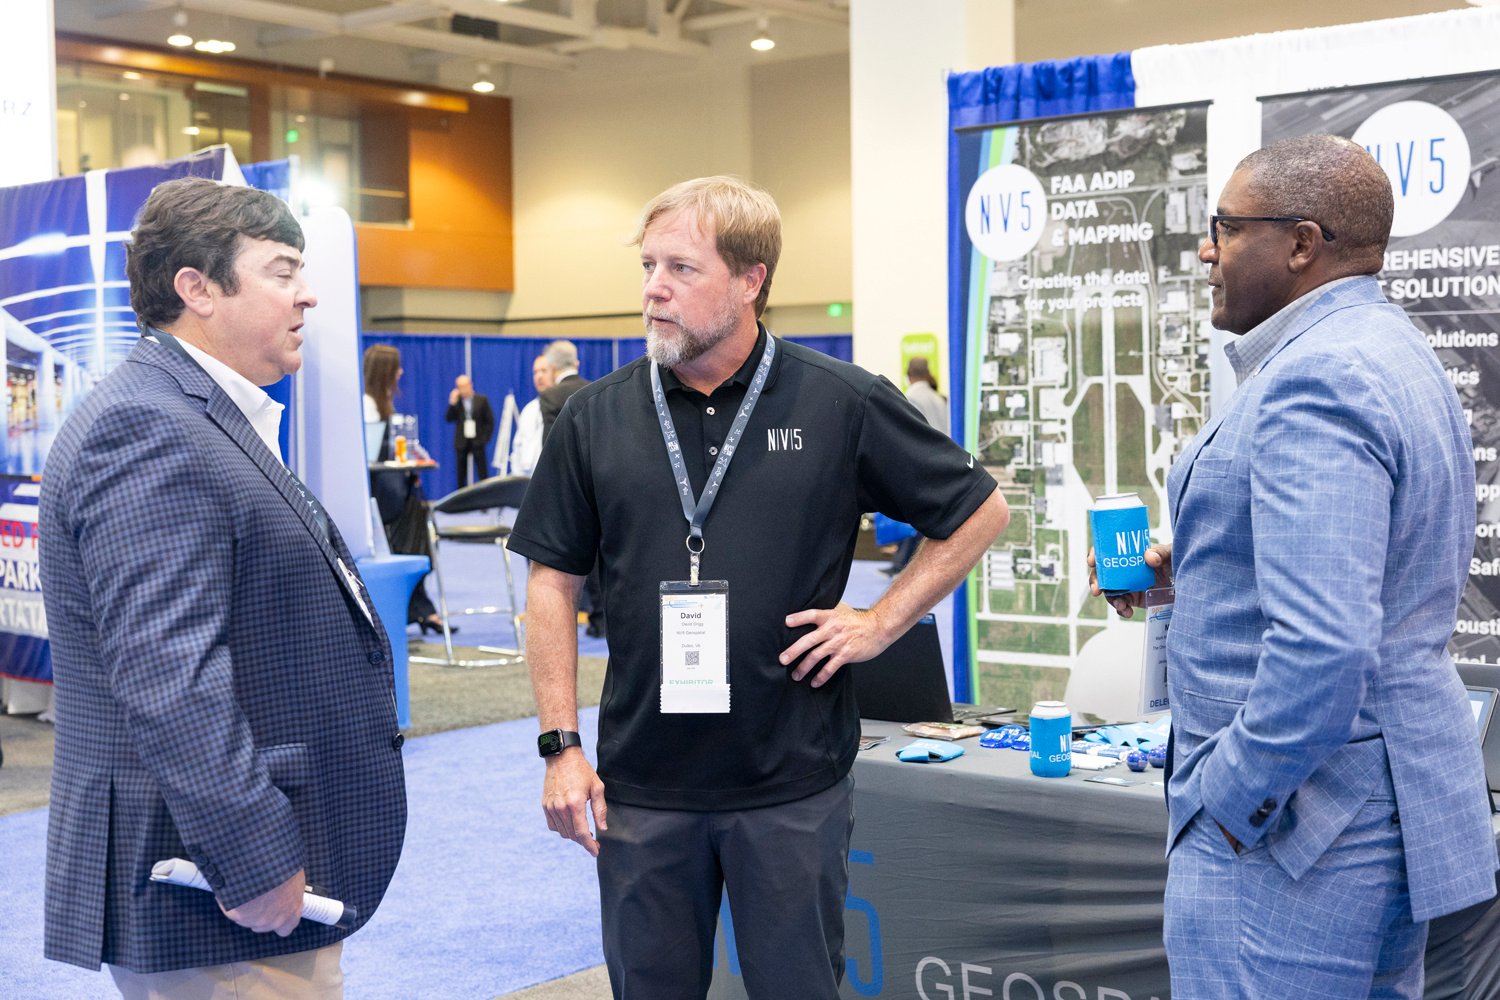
column 1088, row 128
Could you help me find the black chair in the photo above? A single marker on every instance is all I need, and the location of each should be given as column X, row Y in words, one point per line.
column 498, row 493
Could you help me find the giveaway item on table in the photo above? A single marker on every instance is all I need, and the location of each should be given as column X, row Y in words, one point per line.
column 1136, row 760
column 1051, row 739
column 942, row 730
column 928, row 752
column 1010, row 736
column 1088, row 762
column 867, row 742
column 1157, row 756
column 180, row 871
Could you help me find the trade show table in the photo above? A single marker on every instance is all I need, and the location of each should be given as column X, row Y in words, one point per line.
column 973, row 875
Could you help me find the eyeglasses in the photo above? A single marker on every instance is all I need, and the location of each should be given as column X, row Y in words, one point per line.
column 1214, row 220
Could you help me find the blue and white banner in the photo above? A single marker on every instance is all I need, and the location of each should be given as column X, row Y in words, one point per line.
column 65, row 308
column 1439, row 142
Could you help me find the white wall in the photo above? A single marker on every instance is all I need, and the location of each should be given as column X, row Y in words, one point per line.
column 588, row 158
column 899, row 126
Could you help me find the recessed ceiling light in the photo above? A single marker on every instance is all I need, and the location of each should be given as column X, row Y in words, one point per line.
column 214, row 46
column 763, row 42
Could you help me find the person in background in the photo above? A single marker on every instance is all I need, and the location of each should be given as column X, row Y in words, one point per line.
column 224, row 692
column 697, row 791
column 473, row 425
column 1328, row 795
column 526, row 446
column 562, row 356
column 398, row 492
column 922, row 391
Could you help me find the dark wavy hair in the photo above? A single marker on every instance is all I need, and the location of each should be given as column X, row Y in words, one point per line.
column 195, row 222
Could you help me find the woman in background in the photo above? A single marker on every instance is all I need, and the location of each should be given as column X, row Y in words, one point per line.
column 395, row 490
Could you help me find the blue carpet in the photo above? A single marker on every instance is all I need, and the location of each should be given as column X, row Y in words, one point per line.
column 486, row 899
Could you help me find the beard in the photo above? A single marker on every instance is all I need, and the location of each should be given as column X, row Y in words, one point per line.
column 690, row 343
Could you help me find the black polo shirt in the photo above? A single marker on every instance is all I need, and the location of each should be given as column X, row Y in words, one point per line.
column 826, row 442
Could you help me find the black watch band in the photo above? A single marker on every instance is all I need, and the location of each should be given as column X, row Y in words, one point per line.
column 555, row 741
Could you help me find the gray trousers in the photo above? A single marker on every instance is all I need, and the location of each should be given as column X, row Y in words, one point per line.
column 785, row 869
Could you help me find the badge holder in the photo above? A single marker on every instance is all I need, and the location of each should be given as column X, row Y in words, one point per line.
column 694, row 647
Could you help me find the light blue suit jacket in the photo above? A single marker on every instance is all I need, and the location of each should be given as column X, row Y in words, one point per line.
column 1322, row 530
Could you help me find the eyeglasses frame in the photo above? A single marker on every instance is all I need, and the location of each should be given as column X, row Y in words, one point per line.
column 1214, row 220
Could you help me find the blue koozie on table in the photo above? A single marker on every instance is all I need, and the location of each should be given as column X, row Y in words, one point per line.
column 1051, row 739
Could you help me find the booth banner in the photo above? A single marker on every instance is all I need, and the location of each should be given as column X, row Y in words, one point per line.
column 65, row 308
column 1088, row 337
column 1438, row 142
column 24, row 652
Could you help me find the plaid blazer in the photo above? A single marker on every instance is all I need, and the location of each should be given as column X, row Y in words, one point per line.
column 220, row 694
column 1322, row 530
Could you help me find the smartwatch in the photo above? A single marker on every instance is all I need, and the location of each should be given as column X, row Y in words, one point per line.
column 555, row 741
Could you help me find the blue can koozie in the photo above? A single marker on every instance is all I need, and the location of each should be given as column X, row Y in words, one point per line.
column 1121, row 526
column 1051, row 739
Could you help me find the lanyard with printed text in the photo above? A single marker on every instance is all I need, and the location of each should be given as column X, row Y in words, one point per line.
column 696, row 513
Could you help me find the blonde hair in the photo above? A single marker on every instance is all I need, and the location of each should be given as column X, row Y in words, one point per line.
column 746, row 223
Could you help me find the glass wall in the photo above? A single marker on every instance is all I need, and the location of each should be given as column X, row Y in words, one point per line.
column 349, row 152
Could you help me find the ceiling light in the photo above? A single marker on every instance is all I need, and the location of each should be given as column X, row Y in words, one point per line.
column 214, row 46
column 763, row 42
column 179, row 38
column 191, row 130
column 482, row 83
column 130, row 74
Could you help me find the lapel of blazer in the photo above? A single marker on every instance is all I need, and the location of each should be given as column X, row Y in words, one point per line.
column 195, row 382
column 1348, row 295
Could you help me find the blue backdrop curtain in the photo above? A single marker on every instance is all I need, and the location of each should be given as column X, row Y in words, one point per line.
column 498, row 365
column 995, row 96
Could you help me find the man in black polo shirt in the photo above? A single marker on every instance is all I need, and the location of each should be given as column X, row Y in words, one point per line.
column 720, row 481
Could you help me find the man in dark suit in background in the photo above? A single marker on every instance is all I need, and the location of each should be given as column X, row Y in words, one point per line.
column 474, row 424
column 562, row 355
column 224, row 693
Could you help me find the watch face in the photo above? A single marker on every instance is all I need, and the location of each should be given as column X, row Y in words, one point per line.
column 549, row 743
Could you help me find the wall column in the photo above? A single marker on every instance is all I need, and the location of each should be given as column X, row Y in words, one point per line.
column 900, row 55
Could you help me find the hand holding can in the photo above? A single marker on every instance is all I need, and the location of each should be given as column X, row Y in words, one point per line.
column 1121, row 527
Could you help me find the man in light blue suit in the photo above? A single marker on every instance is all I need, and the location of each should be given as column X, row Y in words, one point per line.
column 1328, row 797
column 224, row 693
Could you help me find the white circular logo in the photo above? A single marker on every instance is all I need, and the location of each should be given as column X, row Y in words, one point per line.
column 1425, row 154
column 1006, row 212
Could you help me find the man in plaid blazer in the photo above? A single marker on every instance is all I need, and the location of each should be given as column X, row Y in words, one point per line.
column 224, row 693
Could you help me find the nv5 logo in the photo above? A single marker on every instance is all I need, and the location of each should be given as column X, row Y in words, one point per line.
column 783, row 439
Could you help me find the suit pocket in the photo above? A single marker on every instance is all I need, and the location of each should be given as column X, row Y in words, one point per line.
column 290, row 768
column 289, row 765
column 1211, row 467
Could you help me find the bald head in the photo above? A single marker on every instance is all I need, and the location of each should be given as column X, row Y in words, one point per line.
column 1334, row 182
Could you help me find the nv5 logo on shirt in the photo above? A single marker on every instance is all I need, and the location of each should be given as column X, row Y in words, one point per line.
column 783, row 439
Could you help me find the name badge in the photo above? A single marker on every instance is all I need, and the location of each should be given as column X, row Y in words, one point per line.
column 471, row 428
column 1154, row 697
column 695, row 647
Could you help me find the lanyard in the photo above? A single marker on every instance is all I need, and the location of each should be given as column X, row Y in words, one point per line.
column 697, row 512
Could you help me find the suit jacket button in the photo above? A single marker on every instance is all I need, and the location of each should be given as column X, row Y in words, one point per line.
column 396, row 741
column 1268, row 806
column 376, row 657
column 1257, row 818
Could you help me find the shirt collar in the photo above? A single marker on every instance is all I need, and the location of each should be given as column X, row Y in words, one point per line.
column 263, row 412
column 743, row 375
column 1254, row 349
column 565, row 374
